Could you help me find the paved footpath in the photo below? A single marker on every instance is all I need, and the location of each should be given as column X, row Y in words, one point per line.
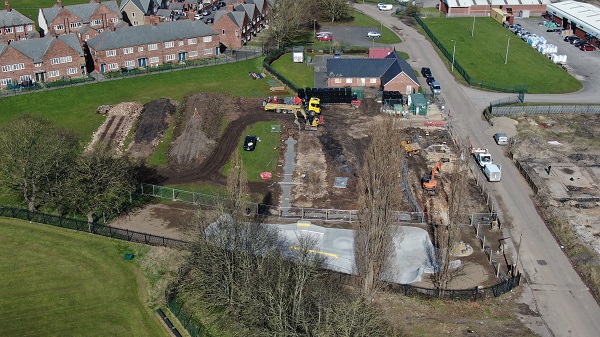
column 552, row 288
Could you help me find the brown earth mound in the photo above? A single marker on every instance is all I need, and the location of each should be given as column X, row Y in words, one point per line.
column 152, row 124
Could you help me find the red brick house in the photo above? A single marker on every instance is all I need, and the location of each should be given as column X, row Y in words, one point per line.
column 15, row 26
column 41, row 60
column 152, row 45
column 391, row 73
column 60, row 20
column 234, row 27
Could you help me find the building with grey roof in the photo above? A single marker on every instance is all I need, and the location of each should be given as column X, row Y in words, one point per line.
column 135, row 12
column 60, row 20
column 152, row 45
column 15, row 26
column 391, row 73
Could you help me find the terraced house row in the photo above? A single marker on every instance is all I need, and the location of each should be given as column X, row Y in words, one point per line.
column 100, row 36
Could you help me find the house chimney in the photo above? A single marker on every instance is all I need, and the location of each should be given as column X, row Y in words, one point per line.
column 229, row 7
column 59, row 3
column 7, row 5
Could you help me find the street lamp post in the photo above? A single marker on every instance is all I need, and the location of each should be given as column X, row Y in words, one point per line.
column 453, row 54
column 314, row 27
column 473, row 30
column 507, row 47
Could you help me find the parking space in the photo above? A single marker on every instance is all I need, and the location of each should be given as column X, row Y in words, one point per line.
column 583, row 65
column 354, row 36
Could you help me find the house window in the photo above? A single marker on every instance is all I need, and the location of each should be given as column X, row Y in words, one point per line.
column 4, row 81
column 169, row 44
column 59, row 60
column 129, row 64
column 75, row 24
column 13, row 67
column 19, row 29
column 180, row 43
column 8, row 30
column 348, row 80
column 152, row 46
column 338, row 80
column 193, row 53
column 207, row 39
column 114, row 20
column 29, row 28
column 113, row 66
column 373, row 80
column 54, row 73
column 237, row 33
column 37, row 65
column 25, row 78
column 87, row 37
column 133, row 14
column 71, row 71
column 192, row 41
column 140, row 49
column 110, row 53
column 59, row 27
column 128, row 50
column 96, row 22
column 208, row 51
column 154, row 59
column 170, row 57
column 223, row 31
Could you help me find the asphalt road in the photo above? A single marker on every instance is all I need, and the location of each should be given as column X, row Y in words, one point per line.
column 553, row 289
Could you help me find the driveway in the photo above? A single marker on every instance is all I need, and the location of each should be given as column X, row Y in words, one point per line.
column 553, row 289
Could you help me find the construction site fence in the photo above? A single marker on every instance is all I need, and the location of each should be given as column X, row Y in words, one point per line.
column 525, row 175
column 476, row 82
column 267, row 64
column 545, row 109
column 93, row 228
column 296, row 213
column 479, row 222
column 194, row 328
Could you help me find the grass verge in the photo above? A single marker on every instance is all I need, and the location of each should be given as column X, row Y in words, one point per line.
column 57, row 282
column 301, row 74
column 483, row 56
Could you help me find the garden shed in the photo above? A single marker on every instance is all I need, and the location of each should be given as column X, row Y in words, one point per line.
column 418, row 104
column 298, row 54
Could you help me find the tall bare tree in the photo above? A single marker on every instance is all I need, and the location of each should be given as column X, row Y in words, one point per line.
column 335, row 10
column 35, row 156
column 290, row 20
column 379, row 199
column 446, row 237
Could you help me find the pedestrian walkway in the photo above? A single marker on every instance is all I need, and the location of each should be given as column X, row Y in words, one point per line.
column 287, row 183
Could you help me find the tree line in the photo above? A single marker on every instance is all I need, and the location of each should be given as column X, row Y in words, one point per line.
column 43, row 166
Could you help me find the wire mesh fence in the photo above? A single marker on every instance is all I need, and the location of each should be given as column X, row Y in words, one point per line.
column 185, row 318
column 94, row 228
column 545, row 109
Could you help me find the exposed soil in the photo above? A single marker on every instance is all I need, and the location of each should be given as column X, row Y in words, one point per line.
column 153, row 122
column 119, row 121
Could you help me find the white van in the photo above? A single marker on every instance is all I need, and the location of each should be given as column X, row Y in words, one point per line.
column 501, row 138
column 384, row 7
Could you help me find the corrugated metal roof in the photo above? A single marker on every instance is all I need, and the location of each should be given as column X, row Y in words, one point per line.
column 586, row 16
column 148, row 34
column 13, row 18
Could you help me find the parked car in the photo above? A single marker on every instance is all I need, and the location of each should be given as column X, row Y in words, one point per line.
column 425, row 72
column 435, row 88
column 554, row 30
column 323, row 33
column 337, row 55
column 373, row 34
column 429, row 80
column 580, row 43
column 210, row 20
column 570, row 38
column 384, row 7
column 221, row 4
column 501, row 138
column 587, row 47
column 206, row 12
column 250, row 143
column 198, row 16
column 215, row 8
column 325, row 37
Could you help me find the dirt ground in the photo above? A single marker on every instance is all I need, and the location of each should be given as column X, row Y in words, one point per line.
column 570, row 146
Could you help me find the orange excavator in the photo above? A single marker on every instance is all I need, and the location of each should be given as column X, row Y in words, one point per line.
column 429, row 183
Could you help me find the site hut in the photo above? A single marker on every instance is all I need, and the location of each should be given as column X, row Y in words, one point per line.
column 581, row 19
column 298, row 54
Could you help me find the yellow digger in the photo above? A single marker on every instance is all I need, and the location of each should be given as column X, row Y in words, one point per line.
column 311, row 120
column 411, row 148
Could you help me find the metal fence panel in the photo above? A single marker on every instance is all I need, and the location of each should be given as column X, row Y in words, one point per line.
column 545, row 109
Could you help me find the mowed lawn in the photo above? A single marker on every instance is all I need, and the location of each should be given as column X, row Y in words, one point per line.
column 301, row 74
column 57, row 282
column 75, row 107
column 483, row 56
column 265, row 155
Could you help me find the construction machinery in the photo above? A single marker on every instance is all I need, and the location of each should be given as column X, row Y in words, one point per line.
column 293, row 105
column 429, row 183
column 311, row 120
column 411, row 148
column 482, row 156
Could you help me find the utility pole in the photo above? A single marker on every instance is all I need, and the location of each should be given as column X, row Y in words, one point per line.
column 453, row 54
column 473, row 30
column 507, row 47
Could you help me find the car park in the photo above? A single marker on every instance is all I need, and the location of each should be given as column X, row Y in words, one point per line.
column 250, row 143
column 373, row 34
column 587, row 47
column 425, row 72
column 325, row 37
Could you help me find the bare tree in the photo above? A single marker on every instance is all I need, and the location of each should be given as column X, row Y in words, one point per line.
column 34, row 159
column 335, row 10
column 379, row 199
column 446, row 237
column 289, row 21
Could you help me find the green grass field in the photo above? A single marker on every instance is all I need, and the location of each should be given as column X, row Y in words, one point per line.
column 57, row 282
column 264, row 157
column 483, row 56
column 301, row 74
column 362, row 20
column 30, row 8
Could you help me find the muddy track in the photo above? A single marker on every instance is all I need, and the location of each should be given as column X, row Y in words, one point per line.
column 209, row 169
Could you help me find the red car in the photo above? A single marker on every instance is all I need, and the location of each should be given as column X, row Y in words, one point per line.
column 325, row 37
column 587, row 47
